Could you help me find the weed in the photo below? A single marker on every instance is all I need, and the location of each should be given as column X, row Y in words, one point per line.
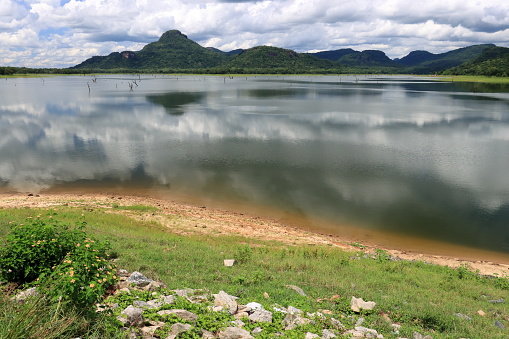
column 243, row 254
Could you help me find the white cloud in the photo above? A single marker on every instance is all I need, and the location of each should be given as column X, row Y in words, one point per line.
column 44, row 33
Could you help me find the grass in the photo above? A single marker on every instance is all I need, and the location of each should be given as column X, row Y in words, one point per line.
column 421, row 297
column 473, row 78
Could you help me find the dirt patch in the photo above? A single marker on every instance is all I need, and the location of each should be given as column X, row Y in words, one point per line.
column 188, row 219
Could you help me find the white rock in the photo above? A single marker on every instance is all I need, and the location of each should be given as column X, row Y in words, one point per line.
column 255, row 306
column 229, row 262
column 261, row 316
column 358, row 304
column 235, row 333
column 227, row 301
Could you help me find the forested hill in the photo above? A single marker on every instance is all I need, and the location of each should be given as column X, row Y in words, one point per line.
column 175, row 52
column 493, row 61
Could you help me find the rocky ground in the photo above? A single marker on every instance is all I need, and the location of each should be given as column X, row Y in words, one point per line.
column 135, row 318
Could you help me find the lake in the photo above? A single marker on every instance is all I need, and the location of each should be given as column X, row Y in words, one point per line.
column 394, row 155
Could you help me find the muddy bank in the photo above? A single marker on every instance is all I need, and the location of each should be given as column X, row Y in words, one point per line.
column 213, row 221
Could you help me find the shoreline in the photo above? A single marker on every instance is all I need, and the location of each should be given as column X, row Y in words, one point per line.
column 213, row 221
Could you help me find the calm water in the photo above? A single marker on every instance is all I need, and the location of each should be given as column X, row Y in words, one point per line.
column 394, row 154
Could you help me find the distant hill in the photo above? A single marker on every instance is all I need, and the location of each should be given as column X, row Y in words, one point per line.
column 367, row 58
column 274, row 57
column 493, row 61
column 423, row 62
column 416, row 57
column 333, row 55
column 174, row 51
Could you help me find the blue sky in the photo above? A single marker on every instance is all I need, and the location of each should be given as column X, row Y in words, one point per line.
column 62, row 33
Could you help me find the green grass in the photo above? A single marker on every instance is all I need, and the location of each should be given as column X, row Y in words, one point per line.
column 422, row 297
column 473, row 78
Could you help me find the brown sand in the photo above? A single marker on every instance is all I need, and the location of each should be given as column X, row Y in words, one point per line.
column 212, row 221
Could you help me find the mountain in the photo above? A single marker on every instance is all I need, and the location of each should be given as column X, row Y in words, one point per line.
column 493, row 61
column 274, row 57
column 417, row 57
column 422, row 62
column 172, row 51
column 333, row 55
column 367, row 58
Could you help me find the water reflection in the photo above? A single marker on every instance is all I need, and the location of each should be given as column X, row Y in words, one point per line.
column 400, row 155
column 175, row 102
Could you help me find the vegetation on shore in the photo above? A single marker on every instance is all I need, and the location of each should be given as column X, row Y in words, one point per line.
column 421, row 297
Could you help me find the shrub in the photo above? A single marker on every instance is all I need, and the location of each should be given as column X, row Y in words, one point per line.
column 57, row 255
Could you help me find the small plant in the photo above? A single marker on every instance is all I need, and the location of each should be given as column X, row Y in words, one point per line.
column 382, row 255
column 465, row 271
column 243, row 254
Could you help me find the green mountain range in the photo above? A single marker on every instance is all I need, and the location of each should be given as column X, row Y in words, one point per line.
column 174, row 52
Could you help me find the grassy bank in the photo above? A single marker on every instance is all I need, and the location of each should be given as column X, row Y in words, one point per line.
column 421, row 297
column 473, row 78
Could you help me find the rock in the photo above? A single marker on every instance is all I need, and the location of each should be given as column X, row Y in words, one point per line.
column 358, row 304
column 462, row 316
column 296, row 289
column 153, row 286
column 227, row 301
column 266, row 295
column 417, row 335
column 326, row 334
column 359, row 322
column 316, row 315
column 178, row 328
column 207, row 334
column 310, row 335
column 240, row 315
column 238, row 323
column 148, row 331
column 182, row 314
column 261, row 316
column 24, row 295
column 255, row 306
column 184, row 293
column 123, row 290
column 140, row 303
column 123, row 285
column 497, row 301
column 138, row 279
column 229, row 262
column 257, row 330
column 234, row 333
column 336, row 324
column 292, row 321
column 499, row 324
column 123, row 273
column 293, row 310
column 481, row 313
column 168, row 299
column 367, row 331
column 133, row 316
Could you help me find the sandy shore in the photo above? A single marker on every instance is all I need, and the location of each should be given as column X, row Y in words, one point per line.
column 199, row 219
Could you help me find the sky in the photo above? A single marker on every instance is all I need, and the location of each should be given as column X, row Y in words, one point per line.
column 63, row 33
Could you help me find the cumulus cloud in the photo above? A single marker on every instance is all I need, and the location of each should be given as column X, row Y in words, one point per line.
column 40, row 33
